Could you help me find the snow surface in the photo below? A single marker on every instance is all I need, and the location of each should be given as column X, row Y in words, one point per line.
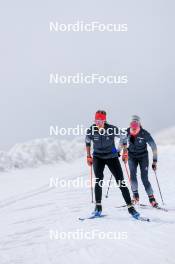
column 30, row 208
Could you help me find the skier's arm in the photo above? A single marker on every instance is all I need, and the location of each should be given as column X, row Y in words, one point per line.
column 153, row 146
column 123, row 140
column 88, row 150
column 88, row 139
column 123, row 146
column 122, row 135
column 88, row 147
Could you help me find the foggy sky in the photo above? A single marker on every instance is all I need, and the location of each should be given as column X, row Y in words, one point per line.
column 29, row 53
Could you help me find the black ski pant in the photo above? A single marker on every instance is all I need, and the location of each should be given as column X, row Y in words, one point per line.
column 143, row 162
column 115, row 168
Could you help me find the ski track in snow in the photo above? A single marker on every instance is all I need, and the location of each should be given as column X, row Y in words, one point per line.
column 30, row 208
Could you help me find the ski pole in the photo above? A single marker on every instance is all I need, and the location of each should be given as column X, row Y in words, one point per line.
column 159, row 188
column 108, row 187
column 127, row 172
column 92, row 196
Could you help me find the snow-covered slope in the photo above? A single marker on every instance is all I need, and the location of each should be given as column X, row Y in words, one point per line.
column 30, row 208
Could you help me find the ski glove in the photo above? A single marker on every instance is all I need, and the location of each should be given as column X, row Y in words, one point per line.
column 125, row 156
column 154, row 165
column 89, row 160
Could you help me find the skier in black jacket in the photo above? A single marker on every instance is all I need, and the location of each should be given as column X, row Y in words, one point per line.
column 138, row 138
column 102, row 135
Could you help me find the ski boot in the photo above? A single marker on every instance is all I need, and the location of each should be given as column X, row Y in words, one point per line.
column 152, row 201
column 133, row 211
column 98, row 210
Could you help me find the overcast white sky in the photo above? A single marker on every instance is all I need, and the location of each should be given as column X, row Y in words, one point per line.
column 29, row 52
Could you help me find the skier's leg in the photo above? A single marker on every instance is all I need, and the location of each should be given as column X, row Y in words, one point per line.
column 115, row 168
column 144, row 164
column 133, row 163
column 98, row 165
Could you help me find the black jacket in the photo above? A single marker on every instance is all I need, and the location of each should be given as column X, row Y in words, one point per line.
column 138, row 145
column 103, row 145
